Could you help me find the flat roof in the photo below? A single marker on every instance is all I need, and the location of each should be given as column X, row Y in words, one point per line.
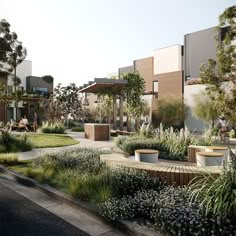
column 100, row 83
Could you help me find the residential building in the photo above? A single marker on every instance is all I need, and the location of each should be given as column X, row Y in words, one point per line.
column 198, row 48
column 168, row 71
column 32, row 90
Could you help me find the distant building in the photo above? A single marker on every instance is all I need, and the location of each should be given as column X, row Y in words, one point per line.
column 32, row 90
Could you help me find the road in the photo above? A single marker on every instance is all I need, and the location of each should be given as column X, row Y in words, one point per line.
column 20, row 216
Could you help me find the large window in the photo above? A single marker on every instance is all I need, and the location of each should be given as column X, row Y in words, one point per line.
column 40, row 90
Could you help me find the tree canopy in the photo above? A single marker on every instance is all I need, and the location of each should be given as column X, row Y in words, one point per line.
column 12, row 53
column 64, row 100
column 220, row 74
column 133, row 94
column 205, row 109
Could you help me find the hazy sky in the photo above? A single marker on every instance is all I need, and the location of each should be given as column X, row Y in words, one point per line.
column 77, row 40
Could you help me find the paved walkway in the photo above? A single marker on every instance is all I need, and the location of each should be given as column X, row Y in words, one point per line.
column 26, row 211
column 79, row 136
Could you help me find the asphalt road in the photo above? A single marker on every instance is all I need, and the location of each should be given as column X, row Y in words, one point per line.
column 20, row 216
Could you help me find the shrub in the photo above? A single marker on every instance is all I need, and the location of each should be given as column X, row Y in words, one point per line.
column 73, row 123
column 172, row 213
column 168, row 211
column 124, row 181
column 53, row 128
column 120, row 140
column 82, row 159
column 172, row 144
column 129, row 207
column 78, row 129
column 131, row 144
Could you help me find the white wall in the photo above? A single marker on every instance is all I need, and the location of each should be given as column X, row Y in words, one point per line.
column 192, row 122
column 167, row 59
column 22, row 71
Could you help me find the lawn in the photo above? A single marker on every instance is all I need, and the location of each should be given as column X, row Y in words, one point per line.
column 50, row 140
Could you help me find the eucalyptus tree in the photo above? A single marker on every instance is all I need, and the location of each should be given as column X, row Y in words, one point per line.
column 12, row 54
column 220, row 74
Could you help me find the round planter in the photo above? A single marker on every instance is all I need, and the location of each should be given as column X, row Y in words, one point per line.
column 223, row 150
column 209, row 158
column 146, row 155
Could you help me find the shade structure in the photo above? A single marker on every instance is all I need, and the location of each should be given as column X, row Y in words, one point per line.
column 103, row 83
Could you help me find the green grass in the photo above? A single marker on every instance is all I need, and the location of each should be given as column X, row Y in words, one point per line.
column 50, row 140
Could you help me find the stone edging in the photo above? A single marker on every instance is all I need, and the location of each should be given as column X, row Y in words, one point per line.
column 130, row 228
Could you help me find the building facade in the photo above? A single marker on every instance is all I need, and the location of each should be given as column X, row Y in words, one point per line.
column 31, row 90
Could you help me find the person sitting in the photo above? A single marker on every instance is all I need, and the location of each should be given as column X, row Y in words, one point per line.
column 22, row 124
column 222, row 127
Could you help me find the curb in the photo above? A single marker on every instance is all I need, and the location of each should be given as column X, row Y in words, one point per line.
column 127, row 227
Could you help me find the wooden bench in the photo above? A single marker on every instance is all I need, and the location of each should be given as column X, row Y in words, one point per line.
column 177, row 174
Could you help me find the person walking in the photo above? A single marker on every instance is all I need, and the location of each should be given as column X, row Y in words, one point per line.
column 222, row 127
column 35, row 122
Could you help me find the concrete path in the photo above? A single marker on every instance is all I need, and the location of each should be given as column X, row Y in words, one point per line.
column 26, row 211
column 79, row 136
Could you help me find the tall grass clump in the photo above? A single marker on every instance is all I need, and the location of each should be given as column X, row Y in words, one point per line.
column 9, row 158
column 10, row 143
column 53, row 127
column 216, row 194
column 172, row 144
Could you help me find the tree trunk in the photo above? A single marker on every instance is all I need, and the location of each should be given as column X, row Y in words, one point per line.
column 128, row 123
column 121, row 112
column 114, row 112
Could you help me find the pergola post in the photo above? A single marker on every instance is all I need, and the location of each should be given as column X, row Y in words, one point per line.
column 121, row 112
column 114, row 112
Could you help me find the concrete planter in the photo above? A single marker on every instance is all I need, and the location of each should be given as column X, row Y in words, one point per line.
column 209, row 158
column 223, row 150
column 146, row 155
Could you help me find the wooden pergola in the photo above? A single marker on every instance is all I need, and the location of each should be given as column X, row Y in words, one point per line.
column 101, row 85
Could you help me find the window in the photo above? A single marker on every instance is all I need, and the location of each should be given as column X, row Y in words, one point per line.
column 40, row 90
column 155, row 86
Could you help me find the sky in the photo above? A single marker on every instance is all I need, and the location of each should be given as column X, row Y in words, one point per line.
column 76, row 41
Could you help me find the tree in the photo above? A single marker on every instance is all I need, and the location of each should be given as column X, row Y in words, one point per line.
column 205, row 108
column 5, row 40
column 171, row 110
column 68, row 98
column 52, row 109
column 133, row 94
column 220, row 74
column 12, row 54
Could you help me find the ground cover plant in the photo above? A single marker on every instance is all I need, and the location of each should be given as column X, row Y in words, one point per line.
column 122, row 193
column 77, row 129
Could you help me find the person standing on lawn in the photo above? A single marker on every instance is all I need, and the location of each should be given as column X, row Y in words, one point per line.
column 35, row 122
